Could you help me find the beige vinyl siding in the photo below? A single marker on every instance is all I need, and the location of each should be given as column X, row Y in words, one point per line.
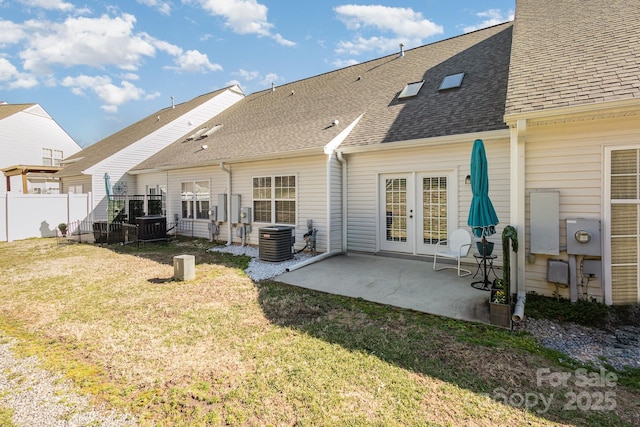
column 568, row 157
column 365, row 168
column 217, row 185
column 83, row 180
column 311, row 203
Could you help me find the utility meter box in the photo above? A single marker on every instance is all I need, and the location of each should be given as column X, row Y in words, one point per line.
column 222, row 208
column 245, row 216
column 583, row 237
column 213, row 213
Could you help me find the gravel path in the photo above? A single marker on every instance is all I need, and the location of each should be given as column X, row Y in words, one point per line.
column 39, row 398
column 619, row 348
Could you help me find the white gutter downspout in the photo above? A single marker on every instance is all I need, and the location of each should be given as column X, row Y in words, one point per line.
column 518, row 140
column 229, row 235
column 345, row 205
column 330, row 149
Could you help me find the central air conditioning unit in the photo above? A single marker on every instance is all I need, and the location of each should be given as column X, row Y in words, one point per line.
column 276, row 242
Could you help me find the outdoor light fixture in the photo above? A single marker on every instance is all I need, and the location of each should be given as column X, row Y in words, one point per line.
column 467, row 179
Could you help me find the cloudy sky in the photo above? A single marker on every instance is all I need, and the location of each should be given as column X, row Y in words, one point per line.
column 97, row 66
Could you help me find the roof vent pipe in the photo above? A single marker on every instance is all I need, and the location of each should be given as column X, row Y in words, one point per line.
column 273, row 87
column 401, row 50
column 172, row 103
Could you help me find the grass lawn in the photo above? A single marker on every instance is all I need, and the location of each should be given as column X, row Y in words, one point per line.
column 221, row 349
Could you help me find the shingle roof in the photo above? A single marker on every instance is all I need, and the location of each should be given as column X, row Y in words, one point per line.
column 7, row 110
column 112, row 144
column 297, row 116
column 573, row 52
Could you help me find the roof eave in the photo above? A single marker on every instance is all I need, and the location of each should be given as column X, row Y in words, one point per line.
column 608, row 107
column 231, row 160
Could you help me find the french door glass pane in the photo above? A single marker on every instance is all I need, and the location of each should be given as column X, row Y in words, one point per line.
column 396, row 209
column 434, row 208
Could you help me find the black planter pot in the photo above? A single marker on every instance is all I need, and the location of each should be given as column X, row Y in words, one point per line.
column 485, row 249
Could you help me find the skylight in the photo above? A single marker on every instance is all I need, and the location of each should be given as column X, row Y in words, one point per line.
column 411, row 89
column 451, row 81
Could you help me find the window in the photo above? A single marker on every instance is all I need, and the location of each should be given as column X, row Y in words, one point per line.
column 51, row 157
column 77, row 189
column 411, row 89
column 195, row 200
column 274, row 199
column 624, row 182
column 452, row 81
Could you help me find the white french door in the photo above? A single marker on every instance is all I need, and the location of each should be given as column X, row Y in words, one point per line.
column 416, row 211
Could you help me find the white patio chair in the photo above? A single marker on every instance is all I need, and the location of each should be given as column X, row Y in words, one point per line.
column 456, row 247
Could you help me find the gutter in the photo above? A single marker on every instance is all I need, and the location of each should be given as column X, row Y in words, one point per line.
column 345, row 205
column 313, row 260
column 229, row 235
column 518, row 206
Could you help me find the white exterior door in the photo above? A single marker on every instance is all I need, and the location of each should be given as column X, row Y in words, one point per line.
column 397, row 208
column 416, row 211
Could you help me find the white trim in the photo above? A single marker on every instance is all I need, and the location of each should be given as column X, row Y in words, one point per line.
column 606, row 221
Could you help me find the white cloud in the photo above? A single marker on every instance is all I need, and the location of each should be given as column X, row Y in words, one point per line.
column 163, row 7
column 379, row 44
column 110, row 94
column 247, row 75
column 14, row 79
column 268, row 79
column 95, row 42
column 490, row 17
column 342, row 63
column 50, row 4
column 404, row 24
column 10, row 33
column 244, row 17
column 402, row 21
column 193, row 61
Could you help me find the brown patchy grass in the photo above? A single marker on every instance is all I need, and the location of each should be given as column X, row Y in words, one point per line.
column 221, row 349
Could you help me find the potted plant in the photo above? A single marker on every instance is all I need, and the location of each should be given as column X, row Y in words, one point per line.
column 63, row 228
column 500, row 295
column 499, row 306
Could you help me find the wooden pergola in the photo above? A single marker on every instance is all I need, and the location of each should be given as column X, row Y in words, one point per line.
column 28, row 171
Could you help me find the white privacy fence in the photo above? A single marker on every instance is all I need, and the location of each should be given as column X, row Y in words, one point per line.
column 23, row 216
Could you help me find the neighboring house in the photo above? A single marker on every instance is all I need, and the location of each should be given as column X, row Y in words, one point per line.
column 107, row 161
column 373, row 169
column 32, row 145
column 573, row 106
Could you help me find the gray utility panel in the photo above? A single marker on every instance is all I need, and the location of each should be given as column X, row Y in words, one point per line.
column 583, row 237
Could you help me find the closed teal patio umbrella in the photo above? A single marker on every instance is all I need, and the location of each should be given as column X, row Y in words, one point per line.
column 482, row 215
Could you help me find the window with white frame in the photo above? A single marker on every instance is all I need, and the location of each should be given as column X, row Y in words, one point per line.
column 195, row 200
column 274, row 199
column 77, row 189
column 51, row 157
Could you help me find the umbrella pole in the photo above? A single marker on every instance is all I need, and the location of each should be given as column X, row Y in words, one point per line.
column 484, row 261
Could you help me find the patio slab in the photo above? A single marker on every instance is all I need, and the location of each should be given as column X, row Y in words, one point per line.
column 405, row 283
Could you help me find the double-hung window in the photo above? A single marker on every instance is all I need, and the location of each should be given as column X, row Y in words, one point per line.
column 51, row 157
column 274, row 199
column 195, row 200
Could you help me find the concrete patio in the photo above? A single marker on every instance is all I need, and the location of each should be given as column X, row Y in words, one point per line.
column 400, row 282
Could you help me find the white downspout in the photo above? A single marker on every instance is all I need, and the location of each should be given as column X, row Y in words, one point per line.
column 518, row 139
column 345, row 205
column 329, row 150
column 229, row 236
